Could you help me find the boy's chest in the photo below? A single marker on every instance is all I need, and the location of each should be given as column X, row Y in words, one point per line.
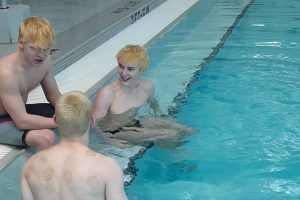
column 30, row 80
column 124, row 103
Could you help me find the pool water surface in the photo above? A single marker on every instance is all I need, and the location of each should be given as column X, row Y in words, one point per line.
column 244, row 102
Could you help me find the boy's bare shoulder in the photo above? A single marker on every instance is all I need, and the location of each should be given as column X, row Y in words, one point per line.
column 8, row 59
column 108, row 92
column 109, row 161
column 8, row 66
column 35, row 162
column 147, row 85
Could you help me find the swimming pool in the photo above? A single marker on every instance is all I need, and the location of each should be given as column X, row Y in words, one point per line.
column 244, row 102
column 97, row 64
column 183, row 165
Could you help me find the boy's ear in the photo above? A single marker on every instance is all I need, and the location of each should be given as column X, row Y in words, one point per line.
column 21, row 44
column 142, row 71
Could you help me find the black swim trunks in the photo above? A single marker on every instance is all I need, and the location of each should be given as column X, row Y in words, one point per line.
column 134, row 124
column 10, row 134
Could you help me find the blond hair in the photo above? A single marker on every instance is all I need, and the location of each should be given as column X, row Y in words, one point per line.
column 73, row 113
column 133, row 54
column 38, row 31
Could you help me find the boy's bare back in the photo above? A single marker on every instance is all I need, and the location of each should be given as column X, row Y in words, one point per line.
column 73, row 171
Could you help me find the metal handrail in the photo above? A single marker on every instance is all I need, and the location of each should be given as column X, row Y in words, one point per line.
column 3, row 4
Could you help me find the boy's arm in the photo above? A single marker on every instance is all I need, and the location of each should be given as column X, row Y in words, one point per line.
column 14, row 105
column 50, row 88
column 154, row 105
column 26, row 191
column 102, row 103
column 114, row 189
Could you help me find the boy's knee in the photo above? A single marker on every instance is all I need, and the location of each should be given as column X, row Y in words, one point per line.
column 41, row 139
column 48, row 139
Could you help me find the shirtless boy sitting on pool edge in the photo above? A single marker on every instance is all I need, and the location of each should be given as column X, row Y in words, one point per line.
column 20, row 72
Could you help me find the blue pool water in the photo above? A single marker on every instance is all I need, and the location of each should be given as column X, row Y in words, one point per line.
column 245, row 103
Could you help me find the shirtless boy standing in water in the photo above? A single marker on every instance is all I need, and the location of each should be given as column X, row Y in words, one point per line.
column 20, row 72
column 70, row 170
